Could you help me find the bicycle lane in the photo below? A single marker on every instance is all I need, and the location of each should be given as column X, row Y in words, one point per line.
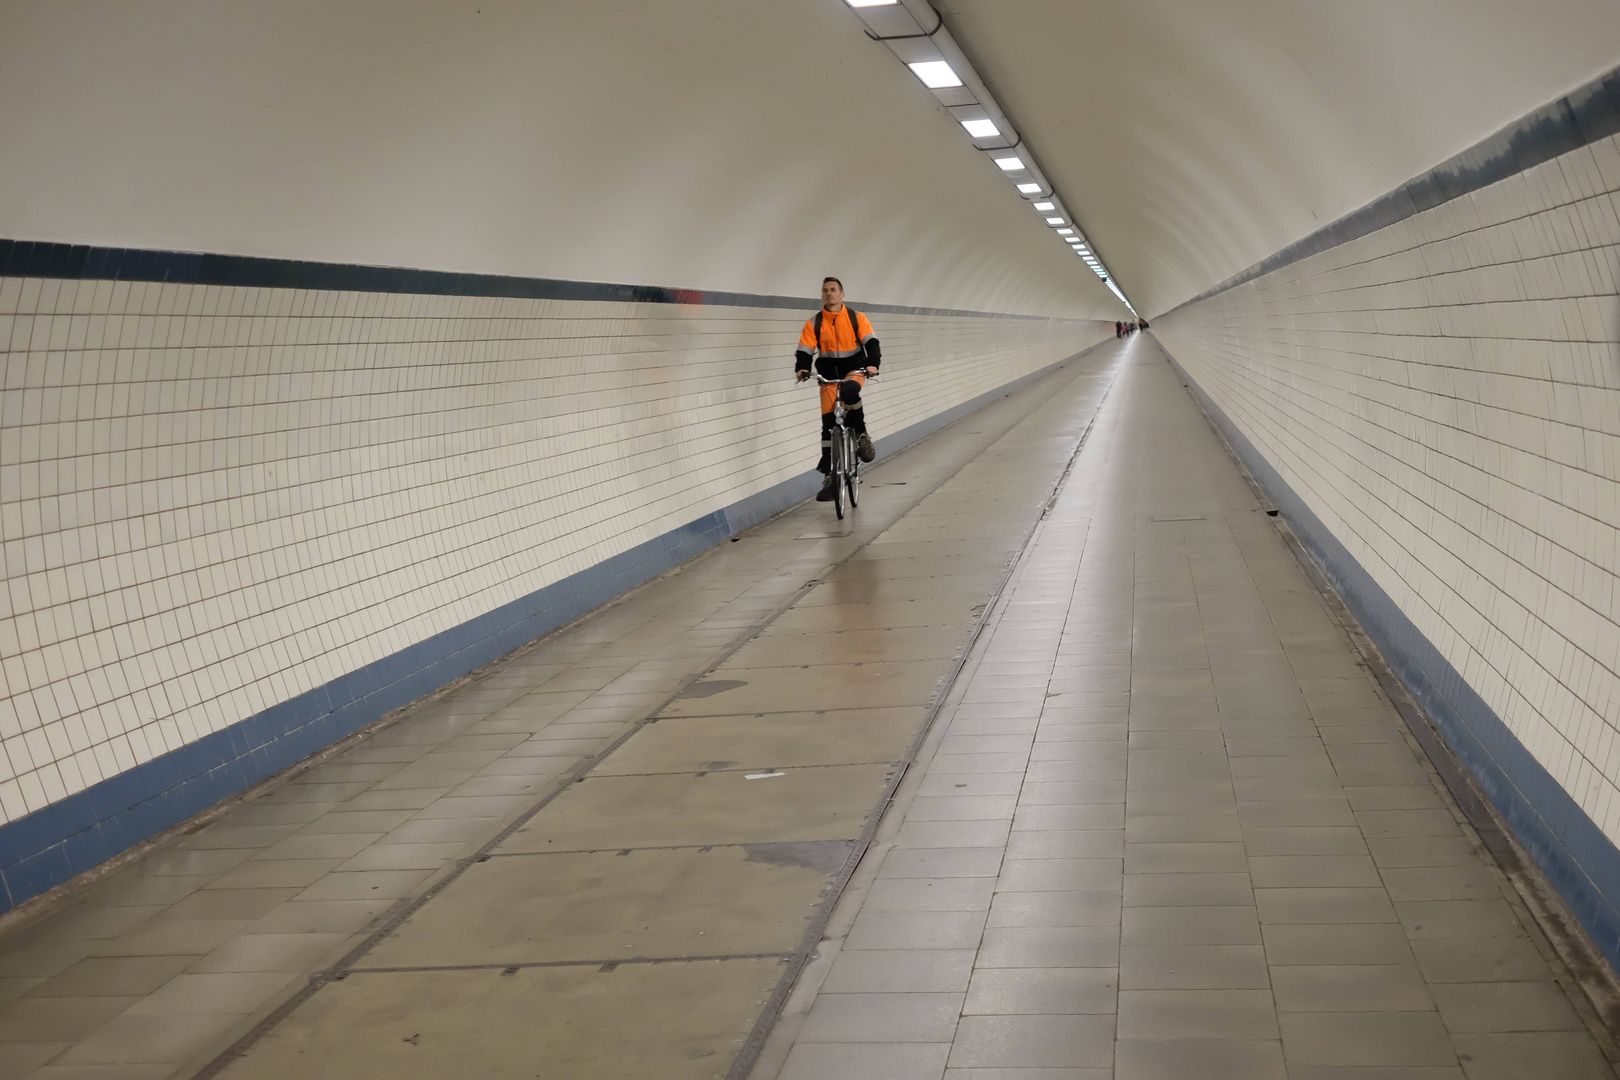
column 648, row 918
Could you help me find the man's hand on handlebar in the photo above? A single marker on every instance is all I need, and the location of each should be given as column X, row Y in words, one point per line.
column 803, row 376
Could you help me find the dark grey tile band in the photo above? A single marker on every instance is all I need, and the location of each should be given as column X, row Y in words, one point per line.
column 1580, row 861
column 1580, row 117
column 45, row 259
column 75, row 834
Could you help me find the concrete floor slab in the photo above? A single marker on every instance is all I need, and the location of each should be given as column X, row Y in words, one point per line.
column 871, row 588
column 690, row 1019
column 614, row 812
column 614, row 906
column 751, row 742
column 819, row 686
column 888, row 616
column 852, row 646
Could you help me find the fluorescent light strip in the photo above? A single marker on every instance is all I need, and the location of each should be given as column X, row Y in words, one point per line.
column 940, row 75
column 936, row 74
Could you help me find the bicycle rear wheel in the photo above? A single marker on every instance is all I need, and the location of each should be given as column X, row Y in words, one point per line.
column 839, row 467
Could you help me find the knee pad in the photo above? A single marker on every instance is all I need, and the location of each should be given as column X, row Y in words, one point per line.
column 850, row 393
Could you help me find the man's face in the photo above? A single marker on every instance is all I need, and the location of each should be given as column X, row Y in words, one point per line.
column 832, row 294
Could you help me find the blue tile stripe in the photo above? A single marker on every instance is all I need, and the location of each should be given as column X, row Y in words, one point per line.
column 49, row 259
column 75, row 834
column 1580, row 861
column 1581, row 117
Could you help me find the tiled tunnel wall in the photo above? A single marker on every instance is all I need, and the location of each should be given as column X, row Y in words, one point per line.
column 241, row 521
column 1435, row 405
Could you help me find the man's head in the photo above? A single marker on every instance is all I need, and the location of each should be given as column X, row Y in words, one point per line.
column 832, row 293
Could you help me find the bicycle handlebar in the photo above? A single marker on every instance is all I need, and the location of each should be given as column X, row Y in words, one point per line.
column 818, row 378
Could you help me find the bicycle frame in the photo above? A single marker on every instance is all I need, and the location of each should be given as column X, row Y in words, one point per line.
column 845, row 464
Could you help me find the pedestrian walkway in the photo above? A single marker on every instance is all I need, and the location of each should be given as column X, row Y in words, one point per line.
column 1168, row 827
column 403, row 909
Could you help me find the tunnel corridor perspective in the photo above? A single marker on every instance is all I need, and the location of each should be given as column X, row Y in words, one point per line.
column 425, row 650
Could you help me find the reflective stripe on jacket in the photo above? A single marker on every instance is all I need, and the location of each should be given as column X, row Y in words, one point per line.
column 838, row 338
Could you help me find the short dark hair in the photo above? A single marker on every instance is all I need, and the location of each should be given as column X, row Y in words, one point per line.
column 834, row 280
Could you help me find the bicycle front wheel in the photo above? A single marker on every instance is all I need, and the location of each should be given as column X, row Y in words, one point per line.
column 840, row 469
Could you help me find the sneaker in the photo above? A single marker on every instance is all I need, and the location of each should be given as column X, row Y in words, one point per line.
column 864, row 448
column 828, row 486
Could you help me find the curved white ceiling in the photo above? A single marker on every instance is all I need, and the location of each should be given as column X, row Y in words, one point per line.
column 1192, row 140
column 709, row 144
column 736, row 145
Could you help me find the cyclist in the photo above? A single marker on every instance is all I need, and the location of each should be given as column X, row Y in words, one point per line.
column 849, row 351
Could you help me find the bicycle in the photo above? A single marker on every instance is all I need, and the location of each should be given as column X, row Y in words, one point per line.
column 846, row 464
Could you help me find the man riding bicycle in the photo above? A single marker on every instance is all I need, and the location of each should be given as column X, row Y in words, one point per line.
column 848, row 351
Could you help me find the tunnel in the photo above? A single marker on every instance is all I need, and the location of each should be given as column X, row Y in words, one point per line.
column 812, row 540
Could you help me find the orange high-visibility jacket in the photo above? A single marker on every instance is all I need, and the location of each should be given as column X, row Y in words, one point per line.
column 843, row 346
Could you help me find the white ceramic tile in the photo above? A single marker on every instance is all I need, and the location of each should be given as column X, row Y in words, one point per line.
column 214, row 499
column 1464, row 442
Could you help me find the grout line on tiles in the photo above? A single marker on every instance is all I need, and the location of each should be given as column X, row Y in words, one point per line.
column 605, row 963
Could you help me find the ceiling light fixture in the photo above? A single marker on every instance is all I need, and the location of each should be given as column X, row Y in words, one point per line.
column 915, row 32
column 936, row 74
